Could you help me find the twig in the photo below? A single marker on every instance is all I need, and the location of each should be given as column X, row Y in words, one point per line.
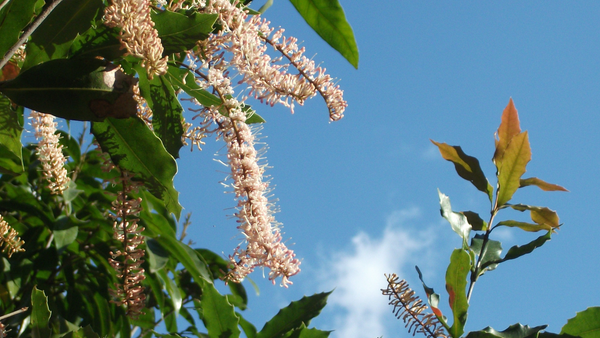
column 21, row 310
column 28, row 31
column 3, row 4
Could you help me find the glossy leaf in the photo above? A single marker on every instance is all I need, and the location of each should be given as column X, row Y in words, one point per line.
column 509, row 128
column 157, row 255
column 518, row 251
column 541, row 184
column 167, row 112
column 327, row 18
column 513, row 331
column 179, row 32
column 586, row 324
column 457, row 220
column 134, row 147
column 477, row 223
column 294, row 316
column 74, row 89
column 540, row 215
column 14, row 16
column 466, row 166
column 456, row 283
column 40, row 314
column 490, row 256
column 218, row 315
column 11, row 127
column 187, row 257
column 514, row 161
column 433, row 299
column 172, row 289
column 530, row 227
column 53, row 38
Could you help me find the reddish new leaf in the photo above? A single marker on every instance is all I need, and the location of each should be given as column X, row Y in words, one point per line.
column 541, row 184
column 514, row 161
column 509, row 128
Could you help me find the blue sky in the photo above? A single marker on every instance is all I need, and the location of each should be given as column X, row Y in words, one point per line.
column 358, row 197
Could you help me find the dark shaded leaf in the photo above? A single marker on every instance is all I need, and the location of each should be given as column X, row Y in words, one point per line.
column 40, row 314
column 167, row 113
column 74, row 89
column 477, row 223
column 586, row 324
column 540, row 184
column 456, row 283
column 457, row 220
column 157, row 256
column 14, row 16
column 65, row 232
column 11, row 127
column 490, row 256
column 514, row 161
column 433, row 299
column 518, row 251
column 466, row 166
column 293, row 316
column 134, row 147
column 218, row 315
column 513, row 331
column 326, row 17
column 98, row 41
column 53, row 38
column 179, row 32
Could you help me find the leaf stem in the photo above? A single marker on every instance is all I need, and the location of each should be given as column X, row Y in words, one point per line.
column 475, row 272
column 28, row 31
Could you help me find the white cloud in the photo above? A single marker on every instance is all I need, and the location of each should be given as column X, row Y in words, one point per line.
column 360, row 310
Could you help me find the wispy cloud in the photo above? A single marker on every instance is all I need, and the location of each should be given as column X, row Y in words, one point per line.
column 357, row 273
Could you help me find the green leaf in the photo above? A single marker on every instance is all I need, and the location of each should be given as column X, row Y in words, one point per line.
column 293, row 316
column 134, row 147
column 456, row 283
column 247, row 327
column 326, row 17
column 218, row 315
column 98, row 41
column 167, row 113
column 513, row 331
column 518, row 251
column 458, row 221
column 13, row 18
column 172, row 289
column 179, row 32
column 53, row 38
column 433, row 299
column 515, row 159
column 40, row 314
column 477, row 223
column 546, row 218
column 65, row 232
column 530, row 227
column 304, row 332
column 466, row 166
column 84, row 89
column 11, row 127
column 157, row 256
column 540, row 184
column 187, row 257
column 586, row 324
column 491, row 255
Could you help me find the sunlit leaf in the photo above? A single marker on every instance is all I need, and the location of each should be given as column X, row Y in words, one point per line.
column 179, row 32
column 327, row 18
column 40, row 314
column 172, row 289
column 541, row 184
column 74, row 89
column 457, row 220
column 14, row 16
column 305, row 332
column 531, row 227
column 294, row 316
column 466, row 166
column 218, row 315
column 134, row 147
column 540, row 215
column 509, row 128
column 514, row 161
column 586, row 324
column 187, row 257
column 53, row 38
column 490, row 256
column 247, row 327
column 456, row 283
column 513, row 331
column 157, row 255
column 167, row 112
column 518, row 251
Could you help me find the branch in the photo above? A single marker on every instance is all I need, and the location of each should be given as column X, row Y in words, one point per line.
column 28, row 31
